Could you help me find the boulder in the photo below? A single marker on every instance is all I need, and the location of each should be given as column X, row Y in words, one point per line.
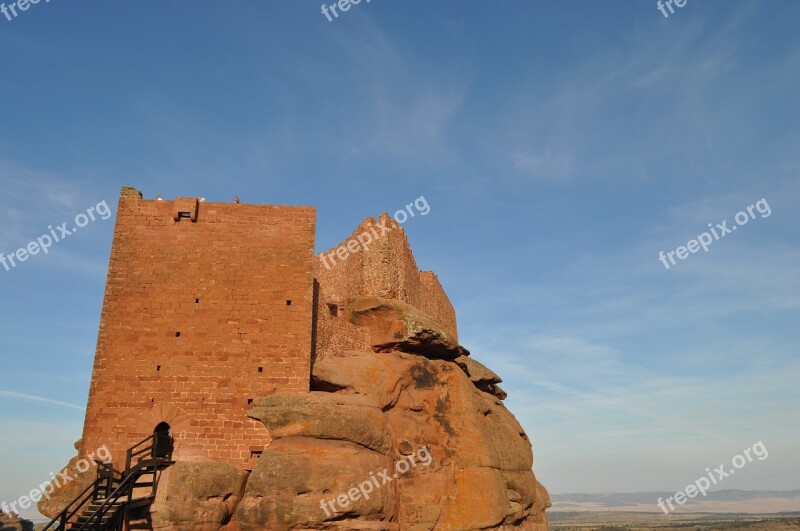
column 480, row 375
column 299, row 482
column 451, row 455
column 197, row 496
column 395, row 325
column 323, row 416
column 67, row 485
column 357, row 373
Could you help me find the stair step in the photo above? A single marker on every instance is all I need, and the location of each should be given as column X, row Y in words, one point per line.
column 84, row 519
column 146, row 464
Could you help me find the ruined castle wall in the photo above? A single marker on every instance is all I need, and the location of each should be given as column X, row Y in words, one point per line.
column 438, row 306
column 386, row 269
column 198, row 318
column 336, row 336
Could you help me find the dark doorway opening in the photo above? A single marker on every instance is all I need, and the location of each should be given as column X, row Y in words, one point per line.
column 162, row 441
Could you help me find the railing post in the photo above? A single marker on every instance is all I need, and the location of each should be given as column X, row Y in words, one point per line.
column 160, row 448
column 101, row 476
column 156, row 478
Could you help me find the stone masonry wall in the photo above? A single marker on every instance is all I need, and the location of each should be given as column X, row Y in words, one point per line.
column 199, row 318
column 336, row 336
column 386, row 269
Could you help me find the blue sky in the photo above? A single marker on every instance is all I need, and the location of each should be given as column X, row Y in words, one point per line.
column 560, row 145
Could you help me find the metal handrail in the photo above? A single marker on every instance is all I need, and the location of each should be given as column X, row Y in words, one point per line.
column 104, row 483
column 129, row 480
column 125, row 488
column 106, row 473
column 132, row 452
column 66, row 515
column 83, row 498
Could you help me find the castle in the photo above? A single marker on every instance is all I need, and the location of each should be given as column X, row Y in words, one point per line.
column 209, row 306
column 242, row 383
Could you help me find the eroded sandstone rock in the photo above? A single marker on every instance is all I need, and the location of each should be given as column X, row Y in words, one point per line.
column 69, row 483
column 327, row 416
column 480, row 375
column 296, row 474
column 198, row 496
column 395, row 325
column 369, row 412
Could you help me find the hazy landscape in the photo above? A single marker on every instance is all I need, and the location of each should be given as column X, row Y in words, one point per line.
column 722, row 501
column 632, row 521
column 724, row 509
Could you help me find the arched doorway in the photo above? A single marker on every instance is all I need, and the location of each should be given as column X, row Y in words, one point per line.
column 162, row 441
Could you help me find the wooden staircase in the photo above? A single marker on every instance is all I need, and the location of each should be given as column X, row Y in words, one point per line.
column 92, row 509
column 103, row 504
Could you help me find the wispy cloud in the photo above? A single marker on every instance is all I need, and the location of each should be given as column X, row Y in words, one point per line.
column 35, row 200
column 31, row 197
column 38, row 399
column 545, row 165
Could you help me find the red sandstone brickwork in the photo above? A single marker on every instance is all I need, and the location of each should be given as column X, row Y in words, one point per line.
column 387, row 269
column 335, row 336
column 198, row 317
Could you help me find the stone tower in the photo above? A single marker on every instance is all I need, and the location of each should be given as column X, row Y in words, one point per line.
column 207, row 306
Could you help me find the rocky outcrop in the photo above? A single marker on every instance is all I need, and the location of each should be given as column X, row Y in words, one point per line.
column 394, row 325
column 480, row 375
column 393, row 441
column 14, row 523
column 296, row 473
column 197, row 496
column 386, row 440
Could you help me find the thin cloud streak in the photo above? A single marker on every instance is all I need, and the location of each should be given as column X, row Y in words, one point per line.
column 38, row 399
